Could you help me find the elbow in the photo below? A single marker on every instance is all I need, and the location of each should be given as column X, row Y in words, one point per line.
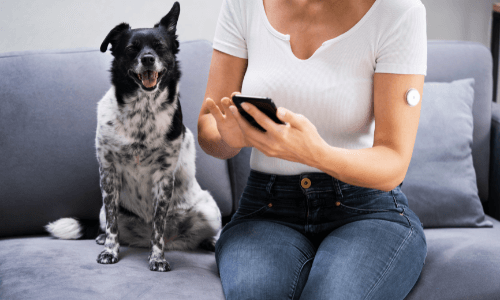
column 202, row 141
column 398, row 178
column 391, row 187
column 397, row 181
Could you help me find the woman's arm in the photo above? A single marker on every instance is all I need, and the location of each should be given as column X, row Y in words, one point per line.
column 382, row 167
column 225, row 77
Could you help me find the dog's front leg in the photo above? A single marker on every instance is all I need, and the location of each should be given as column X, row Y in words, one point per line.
column 110, row 187
column 163, row 191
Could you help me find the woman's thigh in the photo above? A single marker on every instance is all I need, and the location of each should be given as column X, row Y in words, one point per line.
column 259, row 259
column 367, row 259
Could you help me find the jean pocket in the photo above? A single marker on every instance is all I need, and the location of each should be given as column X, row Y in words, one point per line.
column 247, row 213
column 352, row 191
column 370, row 203
column 254, row 202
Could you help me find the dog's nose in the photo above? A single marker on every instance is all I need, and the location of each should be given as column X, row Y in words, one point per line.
column 148, row 60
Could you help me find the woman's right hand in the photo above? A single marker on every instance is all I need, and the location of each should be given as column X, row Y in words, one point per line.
column 226, row 123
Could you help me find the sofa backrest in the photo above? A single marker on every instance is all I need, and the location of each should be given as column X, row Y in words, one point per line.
column 48, row 102
column 48, row 119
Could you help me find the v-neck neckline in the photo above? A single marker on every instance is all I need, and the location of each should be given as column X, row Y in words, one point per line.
column 286, row 37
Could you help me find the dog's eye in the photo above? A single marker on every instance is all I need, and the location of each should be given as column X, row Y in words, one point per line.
column 131, row 50
column 159, row 46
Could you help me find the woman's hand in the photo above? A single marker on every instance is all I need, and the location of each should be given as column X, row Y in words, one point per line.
column 226, row 123
column 298, row 140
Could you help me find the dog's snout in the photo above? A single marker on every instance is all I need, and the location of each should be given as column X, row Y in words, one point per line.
column 148, row 60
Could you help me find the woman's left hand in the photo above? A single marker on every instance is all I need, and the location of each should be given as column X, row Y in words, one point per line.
column 298, row 140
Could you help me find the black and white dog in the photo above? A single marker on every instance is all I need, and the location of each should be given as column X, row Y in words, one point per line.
column 146, row 155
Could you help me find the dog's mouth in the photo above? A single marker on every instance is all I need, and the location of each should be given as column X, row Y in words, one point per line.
column 148, row 79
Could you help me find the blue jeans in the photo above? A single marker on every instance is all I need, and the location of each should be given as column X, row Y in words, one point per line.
column 312, row 236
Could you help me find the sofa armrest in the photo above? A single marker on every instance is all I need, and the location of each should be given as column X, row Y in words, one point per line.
column 493, row 204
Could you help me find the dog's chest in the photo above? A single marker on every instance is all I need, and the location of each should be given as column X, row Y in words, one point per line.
column 146, row 120
column 136, row 190
column 137, row 129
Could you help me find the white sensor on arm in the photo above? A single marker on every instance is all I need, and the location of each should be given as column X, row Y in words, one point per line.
column 412, row 97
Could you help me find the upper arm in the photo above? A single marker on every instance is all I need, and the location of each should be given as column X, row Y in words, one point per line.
column 396, row 122
column 225, row 77
column 401, row 64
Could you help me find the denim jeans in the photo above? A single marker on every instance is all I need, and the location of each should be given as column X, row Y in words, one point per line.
column 312, row 236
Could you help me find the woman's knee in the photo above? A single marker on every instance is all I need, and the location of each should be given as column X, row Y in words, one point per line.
column 369, row 259
column 261, row 260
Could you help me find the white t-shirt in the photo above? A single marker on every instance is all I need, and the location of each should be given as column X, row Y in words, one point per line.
column 334, row 87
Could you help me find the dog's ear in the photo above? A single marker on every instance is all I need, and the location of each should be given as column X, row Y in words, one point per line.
column 170, row 20
column 113, row 35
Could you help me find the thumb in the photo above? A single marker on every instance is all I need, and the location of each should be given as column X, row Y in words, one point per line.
column 290, row 117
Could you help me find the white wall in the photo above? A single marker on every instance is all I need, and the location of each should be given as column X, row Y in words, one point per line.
column 53, row 24
column 468, row 20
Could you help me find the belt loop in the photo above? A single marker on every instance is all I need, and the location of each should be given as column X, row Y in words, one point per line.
column 336, row 185
column 270, row 184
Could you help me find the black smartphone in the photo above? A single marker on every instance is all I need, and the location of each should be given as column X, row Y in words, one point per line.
column 264, row 104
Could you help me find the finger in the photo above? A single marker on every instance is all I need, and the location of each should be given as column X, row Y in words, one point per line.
column 256, row 138
column 295, row 120
column 214, row 110
column 226, row 102
column 237, row 116
column 242, row 122
column 234, row 93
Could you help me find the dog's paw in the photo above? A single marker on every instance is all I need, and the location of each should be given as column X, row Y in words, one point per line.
column 208, row 244
column 160, row 265
column 106, row 257
column 101, row 239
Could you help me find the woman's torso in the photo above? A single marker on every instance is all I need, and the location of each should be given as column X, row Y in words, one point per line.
column 317, row 63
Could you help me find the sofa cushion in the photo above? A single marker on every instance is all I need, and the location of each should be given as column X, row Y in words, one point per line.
column 440, row 183
column 48, row 118
column 461, row 263
column 47, row 268
column 452, row 60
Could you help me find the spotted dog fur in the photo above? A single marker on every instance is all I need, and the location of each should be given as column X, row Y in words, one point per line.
column 145, row 153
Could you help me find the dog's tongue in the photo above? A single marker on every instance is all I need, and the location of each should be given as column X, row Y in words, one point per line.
column 149, row 78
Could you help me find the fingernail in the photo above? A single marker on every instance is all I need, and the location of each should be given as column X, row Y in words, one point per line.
column 245, row 106
column 281, row 112
column 232, row 108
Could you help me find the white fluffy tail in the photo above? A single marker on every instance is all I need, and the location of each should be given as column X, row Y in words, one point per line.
column 65, row 228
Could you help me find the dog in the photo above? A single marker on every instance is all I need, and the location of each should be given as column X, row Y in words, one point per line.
column 145, row 153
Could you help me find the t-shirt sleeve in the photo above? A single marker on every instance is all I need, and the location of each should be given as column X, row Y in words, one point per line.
column 229, row 32
column 404, row 50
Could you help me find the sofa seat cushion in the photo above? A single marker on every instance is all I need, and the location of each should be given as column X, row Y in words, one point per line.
column 45, row 268
column 461, row 263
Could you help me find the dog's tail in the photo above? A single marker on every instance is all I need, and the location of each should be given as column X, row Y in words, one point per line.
column 73, row 229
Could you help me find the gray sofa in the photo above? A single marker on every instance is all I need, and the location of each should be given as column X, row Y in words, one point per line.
column 49, row 170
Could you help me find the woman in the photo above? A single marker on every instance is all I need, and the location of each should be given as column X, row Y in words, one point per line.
column 322, row 215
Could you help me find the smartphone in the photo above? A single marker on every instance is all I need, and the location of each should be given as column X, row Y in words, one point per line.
column 264, row 104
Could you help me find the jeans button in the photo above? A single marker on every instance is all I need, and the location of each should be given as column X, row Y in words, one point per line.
column 306, row 183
